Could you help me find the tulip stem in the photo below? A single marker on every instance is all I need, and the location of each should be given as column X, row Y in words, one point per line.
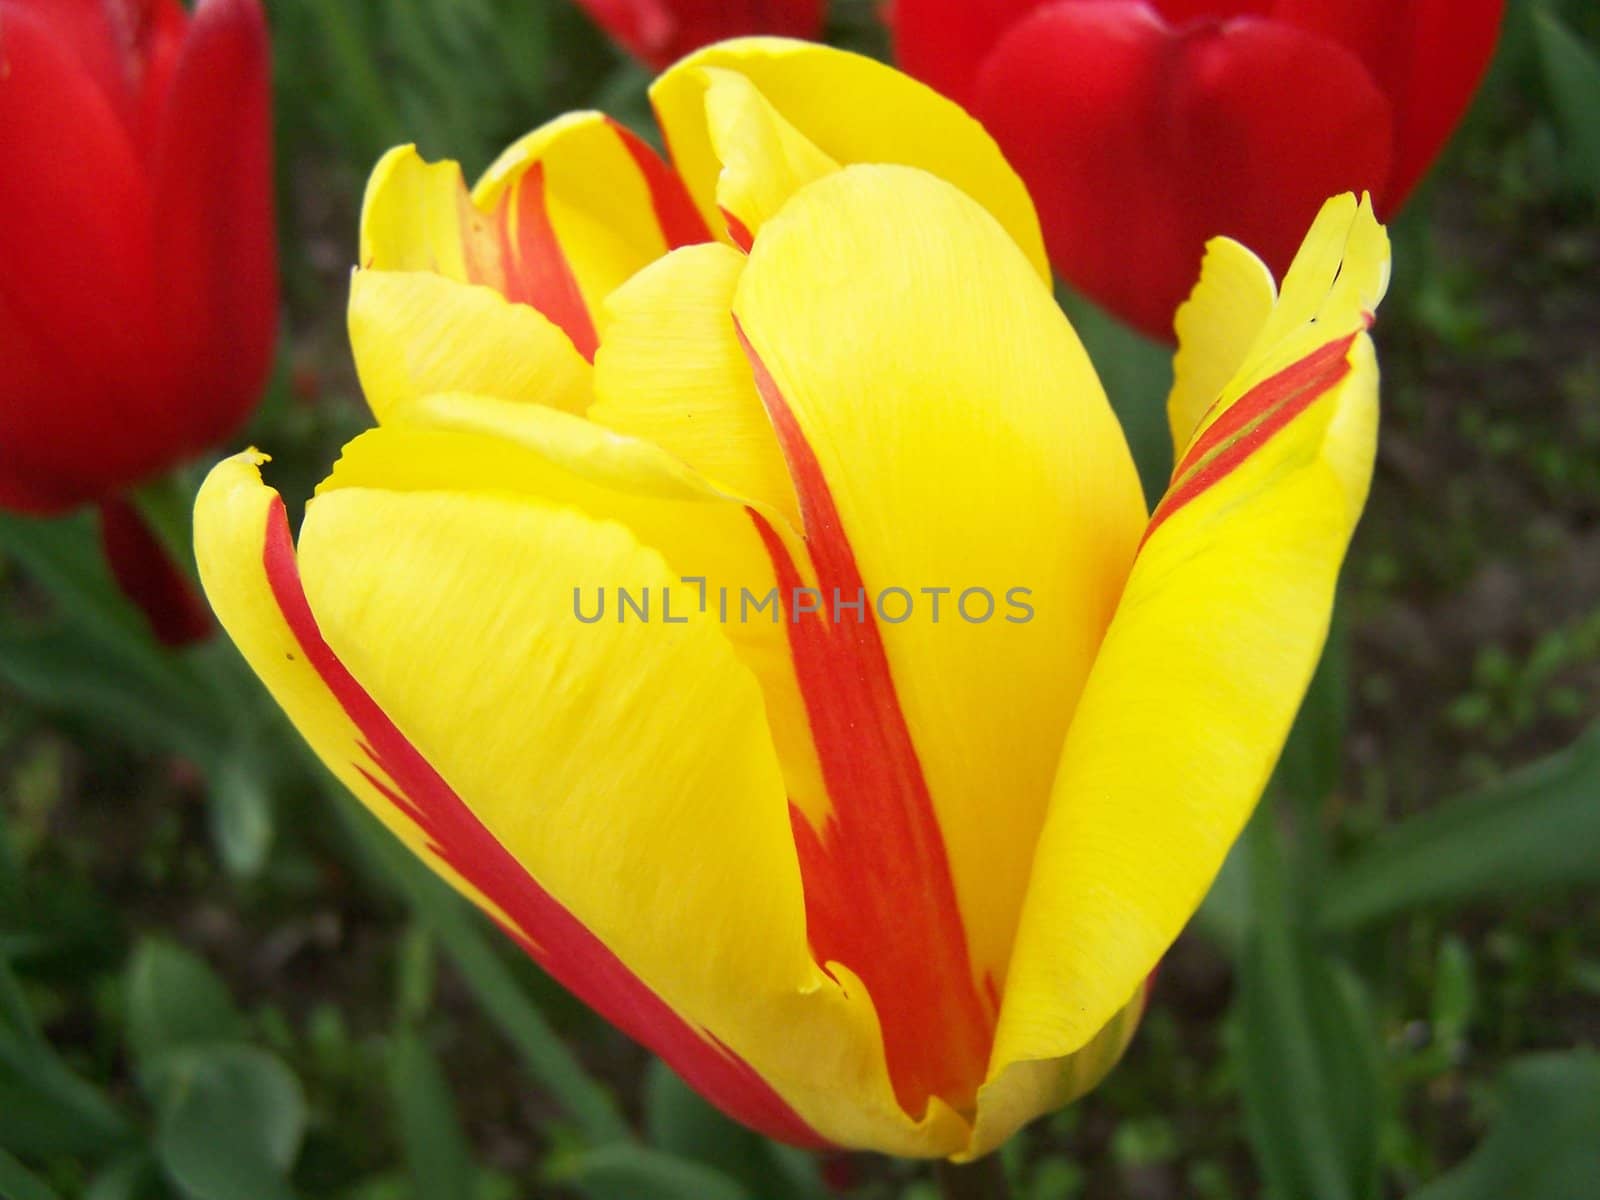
column 981, row 1180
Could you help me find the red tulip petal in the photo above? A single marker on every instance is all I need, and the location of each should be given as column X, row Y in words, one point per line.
column 148, row 576
column 161, row 28
column 662, row 31
column 944, row 42
column 125, row 46
column 214, row 220
column 75, row 275
column 72, row 238
column 63, row 439
column 1140, row 141
column 1428, row 56
column 1177, row 12
column 23, row 488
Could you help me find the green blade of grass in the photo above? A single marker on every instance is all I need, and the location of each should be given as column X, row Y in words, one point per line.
column 588, row 1104
column 436, row 1150
column 1542, row 1144
column 19, row 1183
column 1533, row 831
column 1306, row 1049
column 1572, row 73
column 636, row 1173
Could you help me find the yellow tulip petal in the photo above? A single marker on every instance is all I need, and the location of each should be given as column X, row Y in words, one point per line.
column 661, row 828
column 1216, row 328
column 417, row 216
column 573, row 445
column 241, row 540
column 1206, row 661
column 248, row 564
column 1330, row 291
column 889, row 118
column 765, row 160
column 612, row 203
column 944, row 430
column 1333, row 287
column 459, row 443
column 414, row 333
column 563, row 217
column 671, row 371
column 434, row 595
column 1029, row 1089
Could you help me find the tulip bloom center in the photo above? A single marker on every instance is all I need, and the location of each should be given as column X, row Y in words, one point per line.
column 863, row 877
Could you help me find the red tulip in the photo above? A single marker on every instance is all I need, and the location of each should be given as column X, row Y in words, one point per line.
column 1145, row 127
column 138, row 273
column 660, row 32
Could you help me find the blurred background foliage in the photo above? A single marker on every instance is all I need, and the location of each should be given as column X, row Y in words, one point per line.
column 217, row 980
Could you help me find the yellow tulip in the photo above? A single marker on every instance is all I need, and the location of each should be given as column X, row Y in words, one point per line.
column 886, row 860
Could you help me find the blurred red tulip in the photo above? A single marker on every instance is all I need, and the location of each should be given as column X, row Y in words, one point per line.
column 1157, row 124
column 149, row 576
column 659, row 32
column 138, row 271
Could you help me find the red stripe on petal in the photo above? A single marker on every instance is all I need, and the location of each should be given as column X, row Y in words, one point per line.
column 545, row 930
column 680, row 221
column 537, row 272
column 879, row 895
column 1252, row 420
column 737, row 230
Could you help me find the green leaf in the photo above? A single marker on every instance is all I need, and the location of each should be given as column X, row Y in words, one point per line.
column 436, row 1150
column 112, row 682
column 97, row 661
column 97, row 656
column 127, row 1178
column 679, row 1121
column 46, row 1109
column 391, row 1185
column 621, row 1172
column 98, row 652
column 1454, row 993
column 1228, row 912
column 245, row 764
column 1572, row 73
column 241, row 813
column 15, row 1016
column 415, row 975
column 175, row 1000
column 230, row 1122
column 503, row 999
column 19, row 1183
column 496, row 990
column 64, row 556
column 63, row 922
column 1307, row 1051
column 10, row 871
column 1543, row 1143
column 1531, row 832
